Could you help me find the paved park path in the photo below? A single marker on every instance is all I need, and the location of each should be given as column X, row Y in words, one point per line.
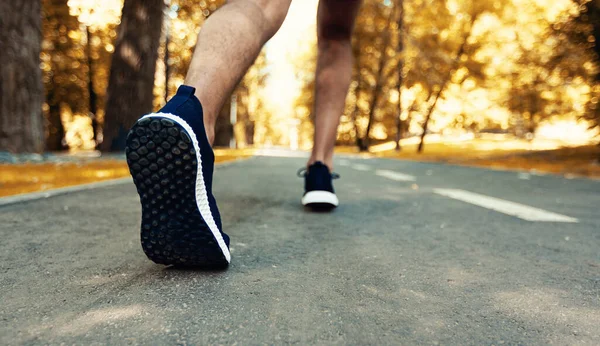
column 416, row 254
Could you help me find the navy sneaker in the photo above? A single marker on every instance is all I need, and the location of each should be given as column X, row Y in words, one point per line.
column 172, row 164
column 318, row 187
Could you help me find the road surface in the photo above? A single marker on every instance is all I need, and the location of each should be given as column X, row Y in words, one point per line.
column 417, row 253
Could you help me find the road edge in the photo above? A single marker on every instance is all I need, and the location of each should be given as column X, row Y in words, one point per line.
column 32, row 196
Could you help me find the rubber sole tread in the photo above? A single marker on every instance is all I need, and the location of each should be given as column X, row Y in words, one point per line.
column 162, row 161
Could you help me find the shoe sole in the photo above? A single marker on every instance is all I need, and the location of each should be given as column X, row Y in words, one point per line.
column 177, row 228
column 321, row 200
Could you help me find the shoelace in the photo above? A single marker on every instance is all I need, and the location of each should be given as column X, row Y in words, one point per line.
column 302, row 173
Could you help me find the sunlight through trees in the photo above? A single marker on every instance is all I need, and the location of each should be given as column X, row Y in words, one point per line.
column 421, row 67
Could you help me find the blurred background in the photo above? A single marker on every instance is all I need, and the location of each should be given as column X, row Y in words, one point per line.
column 511, row 84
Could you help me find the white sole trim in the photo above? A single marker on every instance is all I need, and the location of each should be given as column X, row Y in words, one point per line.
column 201, row 194
column 320, row 197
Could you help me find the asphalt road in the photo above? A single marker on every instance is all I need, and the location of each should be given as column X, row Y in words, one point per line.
column 405, row 259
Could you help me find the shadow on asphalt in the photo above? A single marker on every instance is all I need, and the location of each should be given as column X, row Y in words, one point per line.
column 319, row 209
column 195, row 270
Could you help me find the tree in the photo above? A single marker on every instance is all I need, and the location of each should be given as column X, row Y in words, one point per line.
column 21, row 92
column 540, row 75
column 380, row 81
column 131, row 81
column 463, row 59
column 399, row 69
column 244, row 102
column 223, row 124
column 593, row 18
column 584, row 30
column 62, row 66
column 442, row 87
column 177, row 45
column 376, row 63
column 249, row 102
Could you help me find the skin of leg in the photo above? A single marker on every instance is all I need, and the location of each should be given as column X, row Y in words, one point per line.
column 335, row 22
column 228, row 43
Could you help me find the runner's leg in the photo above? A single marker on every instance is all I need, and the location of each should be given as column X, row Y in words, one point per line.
column 169, row 153
column 335, row 21
column 228, row 44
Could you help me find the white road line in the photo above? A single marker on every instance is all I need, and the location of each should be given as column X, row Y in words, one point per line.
column 524, row 176
column 281, row 153
column 395, row 175
column 361, row 167
column 506, row 207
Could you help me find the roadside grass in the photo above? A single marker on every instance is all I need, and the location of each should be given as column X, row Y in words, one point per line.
column 522, row 155
column 491, row 153
column 569, row 162
column 32, row 177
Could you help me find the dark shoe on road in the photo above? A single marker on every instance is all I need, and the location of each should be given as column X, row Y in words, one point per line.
column 172, row 164
column 318, row 187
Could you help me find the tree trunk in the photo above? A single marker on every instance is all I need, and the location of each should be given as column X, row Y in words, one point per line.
column 399, row 127
column 593, row 12
column 428, row 117
column 223, row 126
column 167, row 67
column 93, row 97
column 453, row 68
column 400, row 51
column 131, row 80
column 593, row 9
column 64, row 72
column 365, row 142
column 21, row 91
column 357, row 91
column 55, row 132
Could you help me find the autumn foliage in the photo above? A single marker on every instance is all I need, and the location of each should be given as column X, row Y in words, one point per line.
column 421, row 66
